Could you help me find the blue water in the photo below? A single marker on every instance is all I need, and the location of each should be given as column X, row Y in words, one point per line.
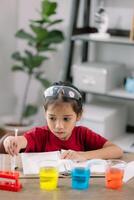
column 80, row 178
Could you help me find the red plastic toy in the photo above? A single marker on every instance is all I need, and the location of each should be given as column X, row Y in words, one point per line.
column 13, row 184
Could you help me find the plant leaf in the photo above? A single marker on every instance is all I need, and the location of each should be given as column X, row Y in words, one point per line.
column 30, row 110
column 17, row 56
column 42, row 21
column 55, row 22
column 43, row 81
column 17, row 68
column 48, row 9
column 24, row 35
column 54, row 36
column 40, row 33
column 31, row 61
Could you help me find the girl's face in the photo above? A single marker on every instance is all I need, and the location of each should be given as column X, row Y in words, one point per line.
column 61, row 119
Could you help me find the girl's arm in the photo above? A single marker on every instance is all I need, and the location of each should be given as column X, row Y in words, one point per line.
column 13, row 145
column 108, row 151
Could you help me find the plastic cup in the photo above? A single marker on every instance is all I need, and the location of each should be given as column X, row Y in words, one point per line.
column 48, row 176
column 2, row 162
column 114, row 174
column 80, row 176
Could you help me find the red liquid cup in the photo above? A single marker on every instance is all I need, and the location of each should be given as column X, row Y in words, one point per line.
column 114, row 174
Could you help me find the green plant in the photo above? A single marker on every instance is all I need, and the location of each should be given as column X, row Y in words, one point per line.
column 42, row 39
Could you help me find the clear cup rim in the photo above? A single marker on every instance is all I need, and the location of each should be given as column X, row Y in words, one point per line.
column 109, row 161
column 116, row 163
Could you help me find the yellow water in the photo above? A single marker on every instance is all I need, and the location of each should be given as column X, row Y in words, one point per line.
column 48, row 178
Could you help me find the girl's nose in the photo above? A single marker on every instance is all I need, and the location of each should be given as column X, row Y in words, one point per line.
column 59, row 124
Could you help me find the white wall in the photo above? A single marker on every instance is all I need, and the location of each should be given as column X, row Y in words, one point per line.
column 8, row 23
column 14, row 14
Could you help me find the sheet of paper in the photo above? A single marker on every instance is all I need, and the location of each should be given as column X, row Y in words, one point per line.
column 32, row 162
column 97, row 165
column 129, row 172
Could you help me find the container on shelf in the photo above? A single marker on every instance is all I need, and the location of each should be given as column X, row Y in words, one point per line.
column 105, row 118
column 99, row 77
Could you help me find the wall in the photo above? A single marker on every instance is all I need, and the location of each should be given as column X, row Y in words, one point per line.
column 8, row 24
column 16, row 13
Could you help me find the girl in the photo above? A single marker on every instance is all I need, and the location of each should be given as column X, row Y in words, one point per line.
column 63, row 108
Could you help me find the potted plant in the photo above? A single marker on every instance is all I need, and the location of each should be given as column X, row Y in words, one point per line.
column 42, row 39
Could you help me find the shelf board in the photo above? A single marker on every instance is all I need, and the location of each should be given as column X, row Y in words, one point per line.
column 121, row 93
column 112, row 39
column 117, row 93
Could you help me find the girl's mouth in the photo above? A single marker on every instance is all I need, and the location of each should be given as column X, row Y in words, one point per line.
column 60, row 133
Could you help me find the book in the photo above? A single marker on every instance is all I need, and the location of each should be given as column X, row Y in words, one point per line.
column 32, row 162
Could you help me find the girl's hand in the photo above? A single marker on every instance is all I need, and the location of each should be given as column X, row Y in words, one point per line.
column 73, row 155
column 11, row 145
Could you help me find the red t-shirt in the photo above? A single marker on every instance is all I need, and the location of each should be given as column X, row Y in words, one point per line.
column 41, row 139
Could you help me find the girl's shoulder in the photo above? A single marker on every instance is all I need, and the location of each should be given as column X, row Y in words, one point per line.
column 38, row 130
column 82, row 129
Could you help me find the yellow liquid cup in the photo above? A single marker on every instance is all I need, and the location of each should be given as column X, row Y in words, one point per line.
column 48, row 178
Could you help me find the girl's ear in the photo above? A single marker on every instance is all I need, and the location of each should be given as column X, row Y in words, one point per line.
column 79, row 116
column 44, row 111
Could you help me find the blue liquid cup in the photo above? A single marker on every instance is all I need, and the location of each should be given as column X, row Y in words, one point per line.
column 80, row 178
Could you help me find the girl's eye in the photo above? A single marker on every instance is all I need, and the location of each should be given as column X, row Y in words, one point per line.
column 66, row 119
column 52, row 118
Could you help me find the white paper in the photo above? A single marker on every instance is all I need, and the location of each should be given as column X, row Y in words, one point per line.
column 97, row 165
column 32, row 162
column 129, row 172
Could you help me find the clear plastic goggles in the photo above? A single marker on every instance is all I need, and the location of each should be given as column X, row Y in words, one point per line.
column 66, row 91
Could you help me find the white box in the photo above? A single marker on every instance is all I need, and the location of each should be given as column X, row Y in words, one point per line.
column 98, row 77
column 106, row 119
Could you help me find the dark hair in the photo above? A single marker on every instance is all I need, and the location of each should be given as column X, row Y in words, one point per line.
column 76, row 104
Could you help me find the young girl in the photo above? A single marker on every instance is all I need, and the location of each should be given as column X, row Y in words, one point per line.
column 63, row 108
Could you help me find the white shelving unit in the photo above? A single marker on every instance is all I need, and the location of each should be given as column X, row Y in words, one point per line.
column 126, row 140
column 119, row 93
column 111, row 39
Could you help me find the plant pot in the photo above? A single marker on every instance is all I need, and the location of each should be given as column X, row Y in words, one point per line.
column 2, row 132
column 10, row 123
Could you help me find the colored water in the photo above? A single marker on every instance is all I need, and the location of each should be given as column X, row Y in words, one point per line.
column 48, row 178
column 80, row 178
column 114, row 178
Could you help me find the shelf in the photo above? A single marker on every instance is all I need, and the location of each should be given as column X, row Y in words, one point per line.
column 121, row 93
column 112, row 39
column 117, row 93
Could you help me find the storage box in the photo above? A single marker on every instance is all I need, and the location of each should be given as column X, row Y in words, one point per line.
column 98, row 77
column 105, row 118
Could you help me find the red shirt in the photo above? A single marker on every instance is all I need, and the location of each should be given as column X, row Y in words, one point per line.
column 41, row 139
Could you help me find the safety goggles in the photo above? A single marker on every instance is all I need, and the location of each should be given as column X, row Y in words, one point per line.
column 66, row 91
